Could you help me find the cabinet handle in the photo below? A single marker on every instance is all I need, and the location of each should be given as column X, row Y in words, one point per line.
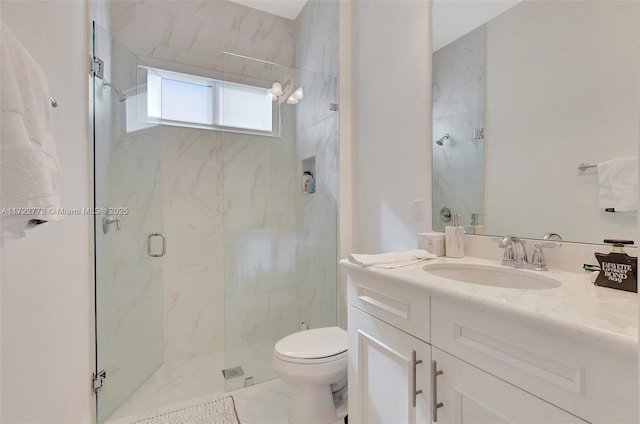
column 414, row 363
column 434, row 391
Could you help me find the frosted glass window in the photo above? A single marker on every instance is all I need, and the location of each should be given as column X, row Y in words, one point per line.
column 187, row 102
column 154, row 98
column 181, row 99
column 244, row 106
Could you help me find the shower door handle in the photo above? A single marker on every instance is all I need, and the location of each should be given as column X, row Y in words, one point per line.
column 164, row 245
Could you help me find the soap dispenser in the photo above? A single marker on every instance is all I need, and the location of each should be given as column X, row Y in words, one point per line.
column 454, row 238
column 617, row 269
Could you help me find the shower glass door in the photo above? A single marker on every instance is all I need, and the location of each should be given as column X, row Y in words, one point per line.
column 280, row 242
column 128, row 231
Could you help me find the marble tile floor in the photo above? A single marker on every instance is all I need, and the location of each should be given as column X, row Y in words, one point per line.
column 185, row 383
column 174, row 385
column 265, row 403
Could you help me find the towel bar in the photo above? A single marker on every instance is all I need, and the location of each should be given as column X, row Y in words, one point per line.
column 584, row 166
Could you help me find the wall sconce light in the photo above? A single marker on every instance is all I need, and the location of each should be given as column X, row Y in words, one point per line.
column 295, row 98
column 275, row 91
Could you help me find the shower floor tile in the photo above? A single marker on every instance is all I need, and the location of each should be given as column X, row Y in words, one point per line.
column 265, row 403
column 186, row 383
column 174, row 385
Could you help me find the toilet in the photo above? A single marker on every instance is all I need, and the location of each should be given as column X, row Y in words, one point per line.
column 314, row 364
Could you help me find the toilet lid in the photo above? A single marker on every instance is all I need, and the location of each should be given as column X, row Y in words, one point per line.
column 313, row 344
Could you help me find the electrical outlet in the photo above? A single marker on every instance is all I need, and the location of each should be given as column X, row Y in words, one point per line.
column 418, row 210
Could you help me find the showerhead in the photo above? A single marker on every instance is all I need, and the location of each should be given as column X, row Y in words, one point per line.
column 440, row 141
column 121, row 96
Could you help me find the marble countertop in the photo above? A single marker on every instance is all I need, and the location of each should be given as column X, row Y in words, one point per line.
column 576, row 309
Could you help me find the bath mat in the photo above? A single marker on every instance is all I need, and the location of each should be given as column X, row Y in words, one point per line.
column 220, row 411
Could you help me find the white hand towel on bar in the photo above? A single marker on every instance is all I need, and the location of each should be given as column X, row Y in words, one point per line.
column 29, row 180
column 618, row 180
column 393, row 259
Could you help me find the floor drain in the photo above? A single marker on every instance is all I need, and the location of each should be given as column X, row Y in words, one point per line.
column 232, row 372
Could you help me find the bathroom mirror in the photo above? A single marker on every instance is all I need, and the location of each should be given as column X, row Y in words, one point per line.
column 524, row 93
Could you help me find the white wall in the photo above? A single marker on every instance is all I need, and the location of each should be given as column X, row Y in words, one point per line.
column 46, row 277
column 561, row 89
column 391, row 122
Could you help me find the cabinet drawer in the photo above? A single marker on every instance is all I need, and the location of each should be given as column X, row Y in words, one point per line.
column 590, row 382
column 402, row 306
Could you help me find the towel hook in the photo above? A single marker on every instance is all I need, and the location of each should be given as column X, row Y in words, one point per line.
column 54, row 102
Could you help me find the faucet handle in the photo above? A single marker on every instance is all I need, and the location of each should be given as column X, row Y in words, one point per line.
column 507, row 243
column 537, row 259
column 509, row 254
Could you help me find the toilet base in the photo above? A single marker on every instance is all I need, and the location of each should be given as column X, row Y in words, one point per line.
column 312, row 404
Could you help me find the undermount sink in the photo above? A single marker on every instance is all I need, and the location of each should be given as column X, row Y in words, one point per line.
column 495, row 276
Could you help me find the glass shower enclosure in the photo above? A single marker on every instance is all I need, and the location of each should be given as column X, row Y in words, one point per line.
column 280, row 241
column 214, row 244
column 128, row 231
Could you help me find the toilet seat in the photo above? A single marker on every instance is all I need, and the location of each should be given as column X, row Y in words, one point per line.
column 324, row 360
column 314, row 364
column 313, row 346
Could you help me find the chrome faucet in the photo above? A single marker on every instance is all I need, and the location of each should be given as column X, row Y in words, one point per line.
column 513, row 256
column 515, row 253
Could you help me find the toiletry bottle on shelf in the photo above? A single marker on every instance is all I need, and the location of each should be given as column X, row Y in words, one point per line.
column 308, row 183
column 454, row 236
column 475, row 227
column 617, row 269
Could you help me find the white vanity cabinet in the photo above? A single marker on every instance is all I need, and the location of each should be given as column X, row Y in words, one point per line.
column 391, row 370
column 496, row 366
column 389, row 357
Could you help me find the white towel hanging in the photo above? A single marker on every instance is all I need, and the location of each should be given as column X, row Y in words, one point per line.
column 29, row 182
column 618, row 180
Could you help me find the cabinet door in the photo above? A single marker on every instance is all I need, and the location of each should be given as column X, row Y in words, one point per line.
column 470, row 395
column 382, row 375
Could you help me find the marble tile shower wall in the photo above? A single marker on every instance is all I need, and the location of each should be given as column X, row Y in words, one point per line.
column 192, row 205
column 197, row 32
column 458, row 108
column 191, row 36
column 316, row 136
